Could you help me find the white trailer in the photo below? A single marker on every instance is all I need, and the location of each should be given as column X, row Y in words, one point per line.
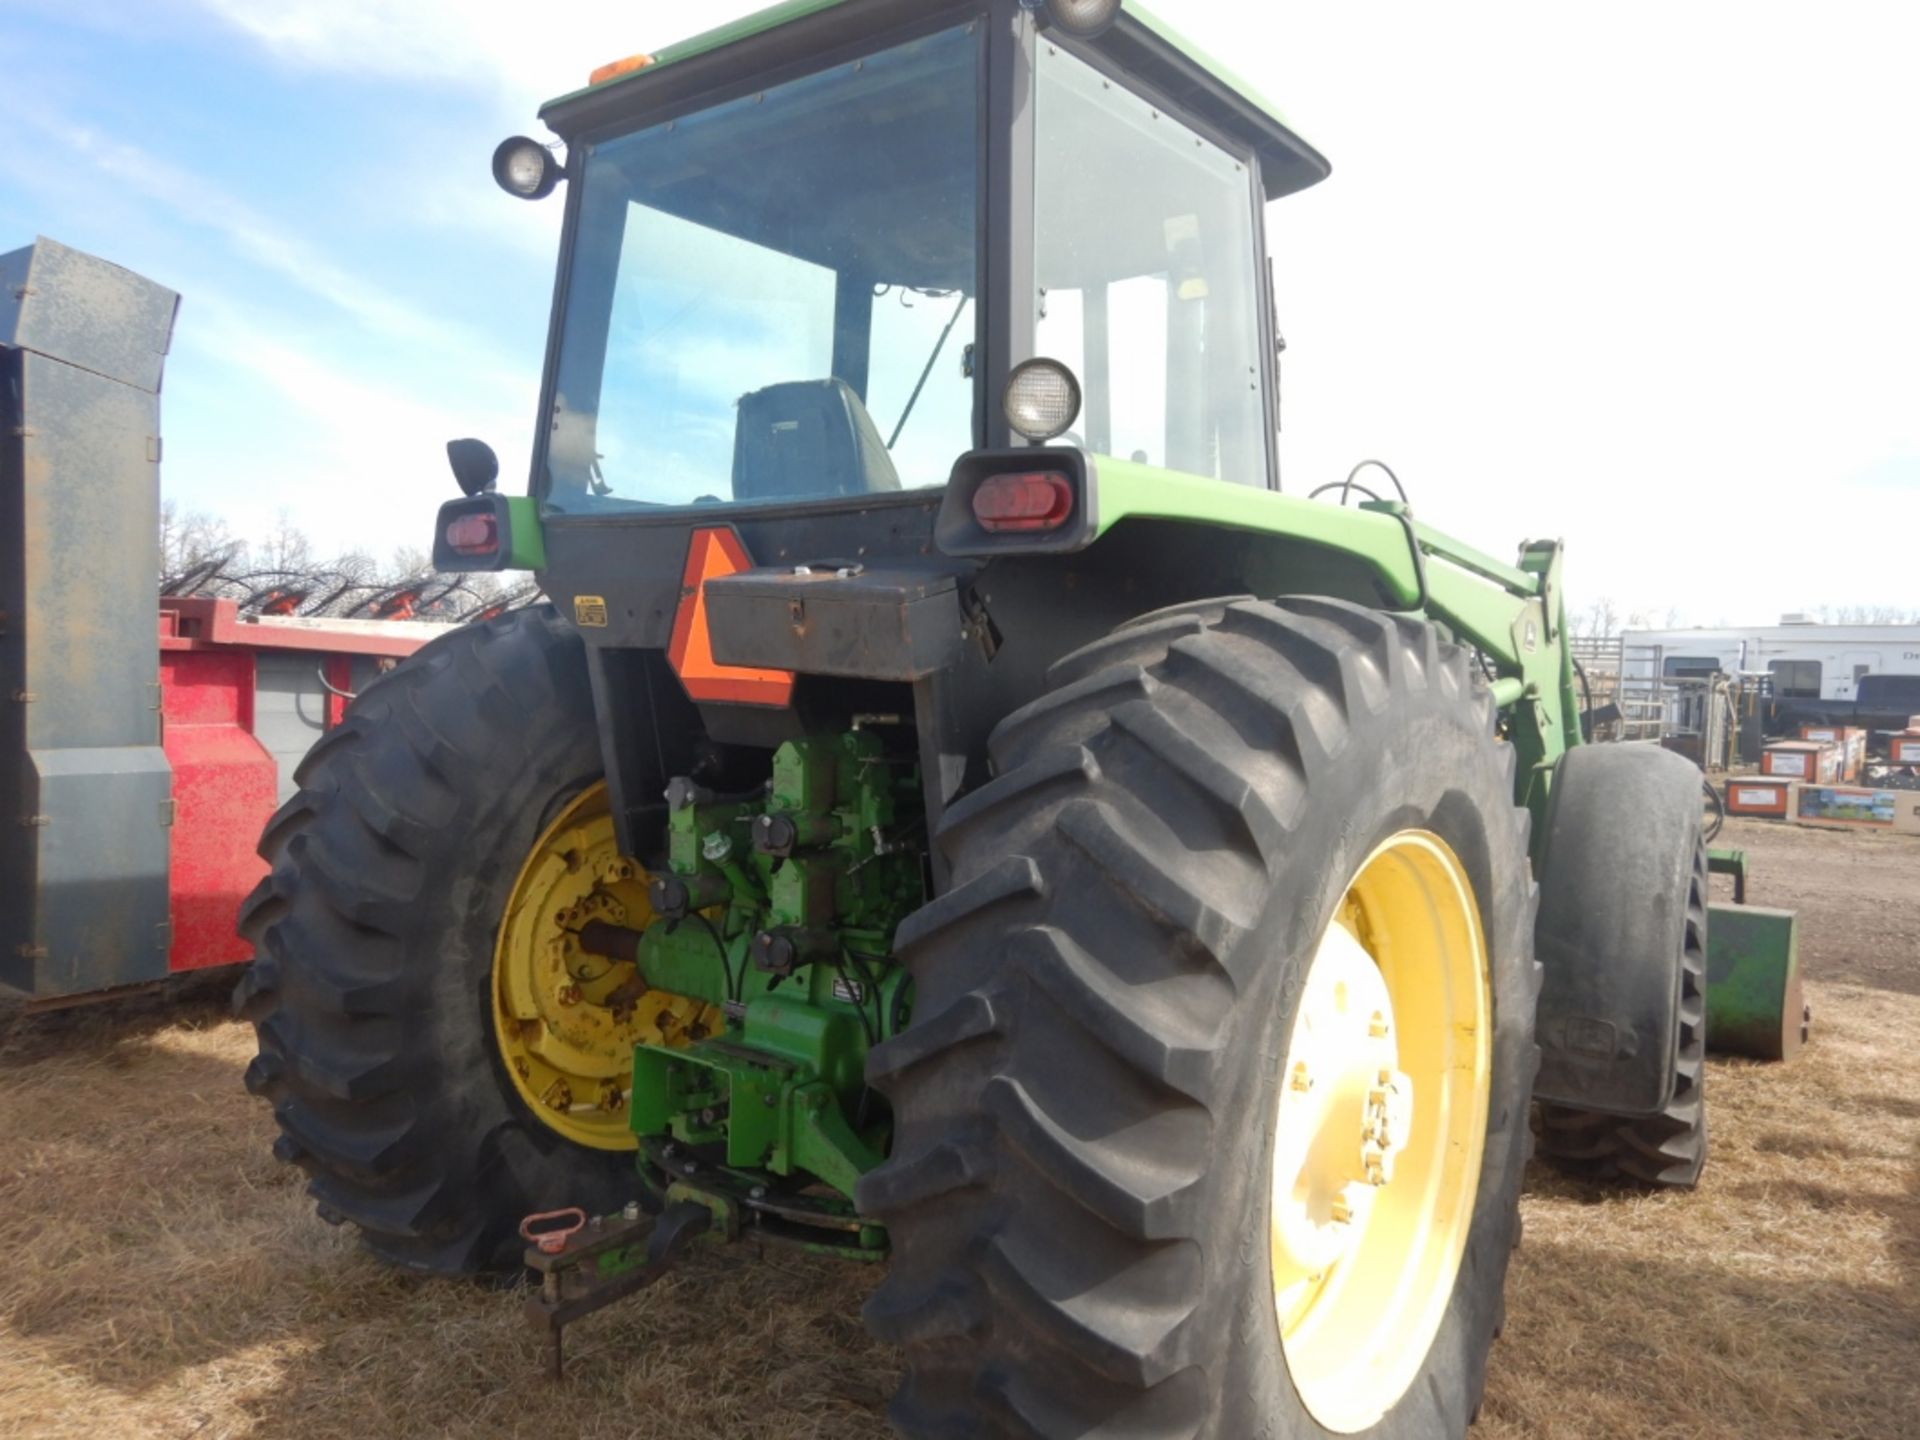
column 1807, row 661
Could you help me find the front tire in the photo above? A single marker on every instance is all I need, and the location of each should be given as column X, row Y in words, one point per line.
column 1081, row 1192
column 371, row 986
column 1667, row 1151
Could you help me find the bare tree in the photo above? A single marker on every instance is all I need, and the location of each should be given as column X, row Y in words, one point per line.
column 1599, row 621
column 1864, row 615
column 286, row 547
column 189, row 538
column 356, row 567
column 409, row 562
column 285, row 573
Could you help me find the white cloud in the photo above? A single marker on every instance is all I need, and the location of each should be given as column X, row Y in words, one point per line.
column 198, row 202
column 265, row 407
column 359, row 462
column 525, row 55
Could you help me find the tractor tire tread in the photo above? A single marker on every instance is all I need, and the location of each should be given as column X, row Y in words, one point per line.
column 1667, row 1151
column 340, row 988
column 1084, row 1086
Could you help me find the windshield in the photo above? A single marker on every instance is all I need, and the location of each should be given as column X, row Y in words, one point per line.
column 773, row 299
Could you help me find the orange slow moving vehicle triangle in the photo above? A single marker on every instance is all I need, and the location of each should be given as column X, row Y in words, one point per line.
column 713, row 555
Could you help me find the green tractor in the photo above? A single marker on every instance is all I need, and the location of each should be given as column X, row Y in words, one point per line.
column 956, row 810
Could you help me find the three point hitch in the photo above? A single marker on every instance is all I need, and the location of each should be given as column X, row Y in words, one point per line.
column 587, row 1265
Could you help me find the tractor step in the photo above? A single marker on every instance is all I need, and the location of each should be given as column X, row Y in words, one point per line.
column 596, row 1262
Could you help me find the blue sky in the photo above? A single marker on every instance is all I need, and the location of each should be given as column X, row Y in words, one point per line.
column 356, row 289
column 1643, row 277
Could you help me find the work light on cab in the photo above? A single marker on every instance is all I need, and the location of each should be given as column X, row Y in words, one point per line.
column 1038, row 500
column 1083, row 19
column 525, row 168
column 1042, row 399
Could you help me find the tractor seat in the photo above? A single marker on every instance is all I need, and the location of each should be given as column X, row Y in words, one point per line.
column 806, row 438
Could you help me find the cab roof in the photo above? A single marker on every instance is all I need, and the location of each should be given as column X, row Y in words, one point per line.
column 1140, row 43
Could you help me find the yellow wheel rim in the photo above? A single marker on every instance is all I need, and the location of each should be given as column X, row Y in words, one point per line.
column 1379, row 1131
column 567, row 1022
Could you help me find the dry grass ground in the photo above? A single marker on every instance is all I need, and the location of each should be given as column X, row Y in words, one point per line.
column 165, row 1277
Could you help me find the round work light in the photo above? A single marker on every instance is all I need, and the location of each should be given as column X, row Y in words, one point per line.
column 1042, row 399
column 1082, row 19
column 525, row 168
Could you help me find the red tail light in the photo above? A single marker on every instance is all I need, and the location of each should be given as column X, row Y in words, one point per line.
column 473, row 535
column 1040, row 500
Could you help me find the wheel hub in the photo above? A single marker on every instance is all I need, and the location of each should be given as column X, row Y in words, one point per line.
column 568, row 1020
column 1345, row 1112
column 1379, row 1130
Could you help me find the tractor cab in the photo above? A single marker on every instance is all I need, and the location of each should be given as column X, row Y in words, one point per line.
column 897, row 292
column 779, row 235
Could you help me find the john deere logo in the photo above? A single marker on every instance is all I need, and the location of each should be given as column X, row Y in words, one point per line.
column 590, row 610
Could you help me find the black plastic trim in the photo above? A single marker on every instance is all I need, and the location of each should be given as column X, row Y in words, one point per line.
column 445, row 558
column 1007, row 283
column 957, row 533
column 1290, row 163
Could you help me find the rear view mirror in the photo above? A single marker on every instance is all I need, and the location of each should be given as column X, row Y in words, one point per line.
column 475, row 466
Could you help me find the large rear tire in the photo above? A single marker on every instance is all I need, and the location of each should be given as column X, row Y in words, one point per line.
column 371, row 987
column 1082, row 1192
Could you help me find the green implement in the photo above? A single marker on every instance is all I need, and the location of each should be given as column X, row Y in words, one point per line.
column 1754, row 1002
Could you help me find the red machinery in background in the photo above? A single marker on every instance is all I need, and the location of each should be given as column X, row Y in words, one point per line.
column 241, row 700
column 132, row 792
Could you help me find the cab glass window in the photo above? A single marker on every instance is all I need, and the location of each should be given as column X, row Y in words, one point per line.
column 1149, row 287
column 758, row 289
